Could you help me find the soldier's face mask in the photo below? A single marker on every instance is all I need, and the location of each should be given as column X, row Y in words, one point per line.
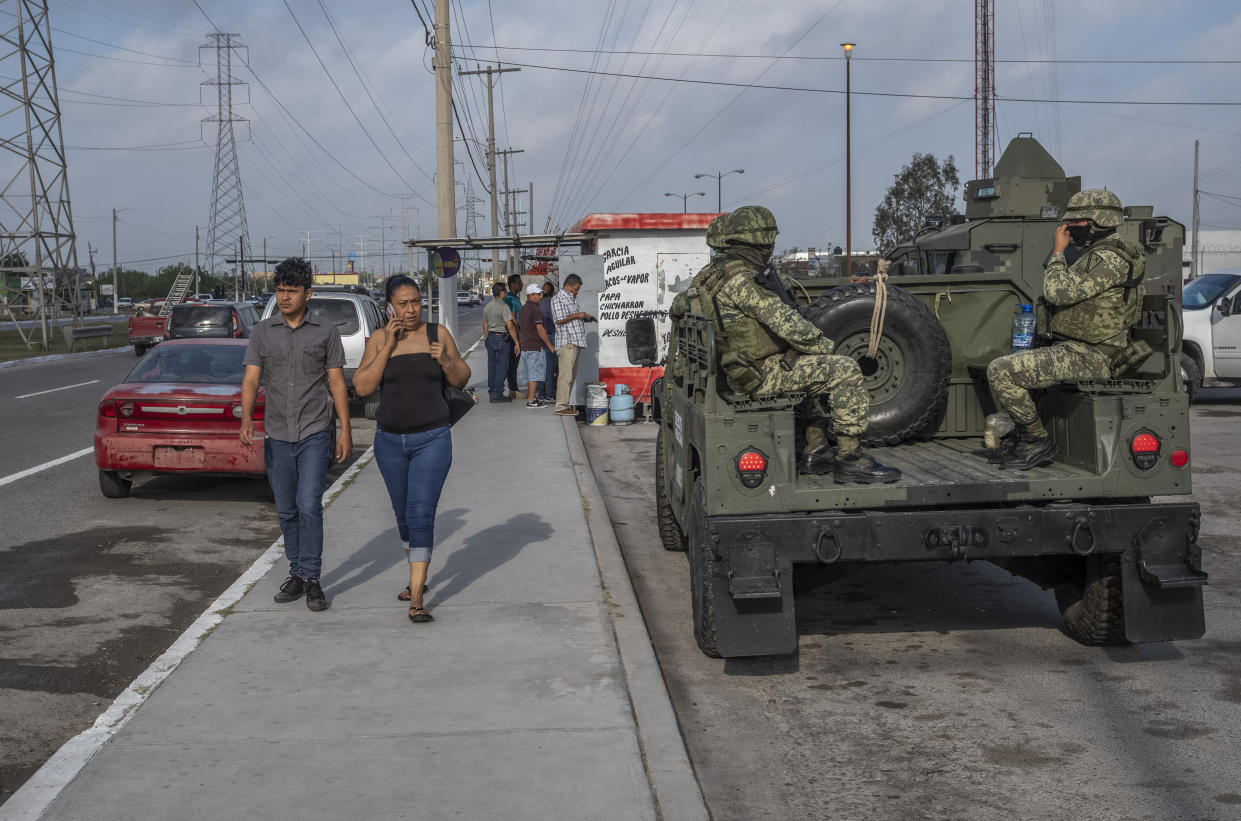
column 1080, row 234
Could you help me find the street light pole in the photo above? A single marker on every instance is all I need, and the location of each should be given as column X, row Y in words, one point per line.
column 848, row 47
column 719, row 184
column 685, row 199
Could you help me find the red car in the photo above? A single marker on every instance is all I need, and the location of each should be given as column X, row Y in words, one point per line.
column 178, row 411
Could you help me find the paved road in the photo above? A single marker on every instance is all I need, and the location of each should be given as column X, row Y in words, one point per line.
column 92, row 589
column 949, row 691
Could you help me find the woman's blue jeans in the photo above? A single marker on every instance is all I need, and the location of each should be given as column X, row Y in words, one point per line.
column 414, row 466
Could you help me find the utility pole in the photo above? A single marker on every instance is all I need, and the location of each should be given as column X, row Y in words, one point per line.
column 265, row 260
column 1193, row 247
column 446, row 193
column 90, row 253
column 241, row 252
column 508, row 221
column 196, row 259
column 116, row 271
column 491, row 149
column 362, row 238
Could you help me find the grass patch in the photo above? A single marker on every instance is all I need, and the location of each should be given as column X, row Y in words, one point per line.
column 12, row 346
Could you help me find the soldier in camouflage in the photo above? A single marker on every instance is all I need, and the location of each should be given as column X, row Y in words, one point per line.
column 766, row 347
column 1091, row 304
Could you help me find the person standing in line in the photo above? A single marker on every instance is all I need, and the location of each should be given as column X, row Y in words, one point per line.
column 571, row 330
column 303, row 361
column 533, row 340
column 500, row 330
column 413, row 360
column 547, row 388
column 513, row 298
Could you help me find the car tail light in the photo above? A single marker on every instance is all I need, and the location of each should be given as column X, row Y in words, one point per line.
column 258, row 412
column 1179, row 458
column 751, row 467
column 236, row 411
column 1144, row 448
column 107, row 408
column 236, row 327
column 127, row 409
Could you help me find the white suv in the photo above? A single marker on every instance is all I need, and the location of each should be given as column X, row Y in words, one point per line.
column 356, row 317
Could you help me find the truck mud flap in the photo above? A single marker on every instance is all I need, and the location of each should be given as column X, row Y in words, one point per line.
column 754, row 611
column 1162, row 582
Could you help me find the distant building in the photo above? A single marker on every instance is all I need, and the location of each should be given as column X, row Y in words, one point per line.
column 1217, row 250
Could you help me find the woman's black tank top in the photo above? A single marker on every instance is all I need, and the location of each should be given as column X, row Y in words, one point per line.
column 412, row 398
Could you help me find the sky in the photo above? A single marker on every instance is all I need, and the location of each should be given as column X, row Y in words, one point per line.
column 132, row 105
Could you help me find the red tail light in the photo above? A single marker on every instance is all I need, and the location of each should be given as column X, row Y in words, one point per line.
column 751, row 467
column 236, row 327
column 107, row 408
column 1144, row 448
column 258, row 412
column 1179, row 458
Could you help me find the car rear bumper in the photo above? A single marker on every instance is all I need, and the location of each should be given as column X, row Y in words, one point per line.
column 154, row 453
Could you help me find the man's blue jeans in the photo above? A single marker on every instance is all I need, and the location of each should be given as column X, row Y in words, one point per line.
column 413, row 467
column 497, row 363
column 297, row 472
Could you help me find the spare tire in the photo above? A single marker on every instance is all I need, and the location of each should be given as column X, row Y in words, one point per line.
column 909, row 375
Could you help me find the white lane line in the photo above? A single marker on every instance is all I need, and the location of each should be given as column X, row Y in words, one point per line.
column 13, row 477
column 33, row 798
column 53, row 390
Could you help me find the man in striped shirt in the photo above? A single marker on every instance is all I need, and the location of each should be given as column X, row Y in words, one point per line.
column 570, row 339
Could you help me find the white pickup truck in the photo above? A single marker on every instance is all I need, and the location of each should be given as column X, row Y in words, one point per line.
column 1211, row 348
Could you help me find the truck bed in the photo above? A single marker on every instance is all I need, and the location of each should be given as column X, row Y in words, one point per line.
column 950, row 472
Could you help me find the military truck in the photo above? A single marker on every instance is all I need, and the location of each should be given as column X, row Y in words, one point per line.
column 1124, row 568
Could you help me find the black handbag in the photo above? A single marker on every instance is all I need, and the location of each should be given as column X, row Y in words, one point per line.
column 460, row 400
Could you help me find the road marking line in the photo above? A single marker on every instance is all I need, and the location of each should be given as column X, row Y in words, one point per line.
column 13, row 477
column 33, row 798
column 53, row 390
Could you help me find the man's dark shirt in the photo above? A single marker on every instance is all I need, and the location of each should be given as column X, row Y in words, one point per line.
column 295, row 363
column 528, row 326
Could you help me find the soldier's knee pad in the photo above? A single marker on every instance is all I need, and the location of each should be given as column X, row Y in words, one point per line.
column 998, row 370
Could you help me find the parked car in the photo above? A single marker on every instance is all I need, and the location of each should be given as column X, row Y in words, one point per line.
column 125, row 303
column 203, row 297
column 464, row 298
column 195, row 320
column 356, row 317
column 178, row 411
column 1211, row 344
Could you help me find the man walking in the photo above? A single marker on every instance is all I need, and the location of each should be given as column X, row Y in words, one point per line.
column 501, row 335
column 571, row 331
column 301, row 362
column 533, row 341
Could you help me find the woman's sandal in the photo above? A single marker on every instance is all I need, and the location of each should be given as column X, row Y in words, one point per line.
column 404, row 594
column 419, row 615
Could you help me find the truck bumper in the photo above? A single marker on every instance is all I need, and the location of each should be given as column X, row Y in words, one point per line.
column 1158, row 545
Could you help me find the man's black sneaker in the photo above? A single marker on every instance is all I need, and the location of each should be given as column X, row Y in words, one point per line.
column 862, row 468
column 315, row 600
column 536, row 404
column 292, row 590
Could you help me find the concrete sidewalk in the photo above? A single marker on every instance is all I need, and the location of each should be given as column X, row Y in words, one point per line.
column 534, row 695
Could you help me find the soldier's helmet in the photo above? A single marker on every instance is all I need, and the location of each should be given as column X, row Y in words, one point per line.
column 1097, row 204
column 748, row 225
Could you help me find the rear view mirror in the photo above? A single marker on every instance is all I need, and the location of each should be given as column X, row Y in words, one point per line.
column 640, row 341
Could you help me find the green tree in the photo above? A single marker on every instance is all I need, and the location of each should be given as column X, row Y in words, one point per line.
column 14, row 259
column 924, row 187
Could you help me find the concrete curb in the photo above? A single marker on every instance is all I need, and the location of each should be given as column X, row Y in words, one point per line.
column 674, row 785
column 12, row 363
column 34, row 797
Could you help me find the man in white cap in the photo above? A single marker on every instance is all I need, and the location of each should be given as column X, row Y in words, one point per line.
column 533, row 341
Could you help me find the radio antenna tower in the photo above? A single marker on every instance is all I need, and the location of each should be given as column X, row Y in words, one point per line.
column 227, row 232
column 36, row 220
column 984, row 88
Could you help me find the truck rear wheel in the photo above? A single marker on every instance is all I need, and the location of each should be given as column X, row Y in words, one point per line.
column 701, row 581
column 909, row 375
column 1094, row 611
column 669, row 531
column 139, row 350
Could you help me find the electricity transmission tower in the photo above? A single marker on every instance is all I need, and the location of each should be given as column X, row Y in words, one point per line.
column 984, row 88
column 227, row 232
column 36, row 220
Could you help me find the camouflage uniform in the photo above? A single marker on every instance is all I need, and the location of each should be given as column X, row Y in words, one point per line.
column 766, row 346
column 1092, row 304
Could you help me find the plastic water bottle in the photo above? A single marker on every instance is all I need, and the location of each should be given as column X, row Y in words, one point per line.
column 1023, row 330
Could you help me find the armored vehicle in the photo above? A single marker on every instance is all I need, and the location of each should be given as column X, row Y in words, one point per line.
column 1123, row 568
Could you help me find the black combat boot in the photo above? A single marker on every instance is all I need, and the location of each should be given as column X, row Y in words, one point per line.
column 1028, row 451
column 861, row 467
column 817, row 460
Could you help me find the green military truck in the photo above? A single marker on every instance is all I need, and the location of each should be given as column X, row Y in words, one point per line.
column 1124, row 568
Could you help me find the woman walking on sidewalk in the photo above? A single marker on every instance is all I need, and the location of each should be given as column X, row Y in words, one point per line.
column 413, row 447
